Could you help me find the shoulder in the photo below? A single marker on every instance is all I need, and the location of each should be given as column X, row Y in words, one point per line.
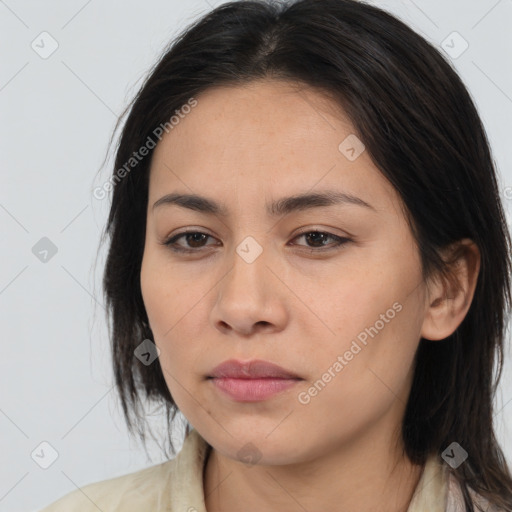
column 135, row 491
column 455, row 502
column 163, row 486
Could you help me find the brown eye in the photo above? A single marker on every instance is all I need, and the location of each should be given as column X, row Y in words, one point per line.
column 317, row 239
column 193, row 239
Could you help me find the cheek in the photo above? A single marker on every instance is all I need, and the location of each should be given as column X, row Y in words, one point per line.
column 169, row 293
column 375, row 323
column 360, row 379
column 350, row 306
column 170, row 317
column 174, row 302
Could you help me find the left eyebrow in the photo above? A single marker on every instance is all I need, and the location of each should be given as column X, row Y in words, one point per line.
column 282, row 206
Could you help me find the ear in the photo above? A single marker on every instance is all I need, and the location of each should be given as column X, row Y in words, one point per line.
column 449, row 300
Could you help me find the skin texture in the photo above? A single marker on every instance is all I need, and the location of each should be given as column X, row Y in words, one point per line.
column 244, row 147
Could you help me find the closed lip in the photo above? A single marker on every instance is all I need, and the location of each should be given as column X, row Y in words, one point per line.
column 254, row 369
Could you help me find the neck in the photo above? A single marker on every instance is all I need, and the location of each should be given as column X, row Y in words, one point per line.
column 357, row 477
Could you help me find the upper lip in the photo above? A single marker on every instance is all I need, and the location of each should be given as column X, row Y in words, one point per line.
column 253, row 369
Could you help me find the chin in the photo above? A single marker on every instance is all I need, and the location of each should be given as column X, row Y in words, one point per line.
column 253, row 447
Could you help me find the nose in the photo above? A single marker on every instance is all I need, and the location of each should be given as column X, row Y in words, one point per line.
column 250, row 298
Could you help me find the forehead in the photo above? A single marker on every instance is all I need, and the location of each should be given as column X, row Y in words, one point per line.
column 264, row 112
column 267, row 136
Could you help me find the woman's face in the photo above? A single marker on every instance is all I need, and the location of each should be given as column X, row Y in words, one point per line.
column 266, row 284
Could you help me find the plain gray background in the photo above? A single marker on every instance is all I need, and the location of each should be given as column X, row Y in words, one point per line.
column 57, row 115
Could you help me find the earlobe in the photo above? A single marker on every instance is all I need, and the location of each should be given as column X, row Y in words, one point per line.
column 449, row 299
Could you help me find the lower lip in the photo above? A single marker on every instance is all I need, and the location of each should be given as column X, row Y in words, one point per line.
column 252, row 390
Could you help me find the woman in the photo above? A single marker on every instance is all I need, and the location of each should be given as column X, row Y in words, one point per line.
column 308, row 259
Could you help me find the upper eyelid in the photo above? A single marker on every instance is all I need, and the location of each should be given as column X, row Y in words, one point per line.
column 327, row 230
column 302, row 232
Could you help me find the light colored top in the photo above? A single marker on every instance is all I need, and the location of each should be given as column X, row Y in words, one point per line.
column 177, row 486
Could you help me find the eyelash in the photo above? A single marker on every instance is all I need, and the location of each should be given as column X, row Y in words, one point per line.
column 340, row 241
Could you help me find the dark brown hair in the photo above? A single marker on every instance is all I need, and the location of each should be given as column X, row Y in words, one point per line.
column 421, row 129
